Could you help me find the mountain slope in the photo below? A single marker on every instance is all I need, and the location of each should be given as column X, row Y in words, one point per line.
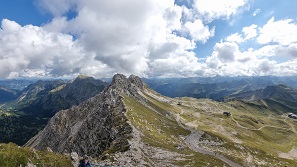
column 16, row 84
column 30, row 93
column 100, row 127
column 102, row 114
column 12, row 155
column 64, row 96
column 39, row 102
column 129, row 124
column 279, row 98
column 7, row 95
column 202, row 89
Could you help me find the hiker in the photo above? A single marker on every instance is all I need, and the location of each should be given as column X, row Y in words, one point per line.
column 85, row 162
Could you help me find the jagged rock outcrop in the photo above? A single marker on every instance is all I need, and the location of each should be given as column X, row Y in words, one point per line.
column 65, row 96
column 95, row 126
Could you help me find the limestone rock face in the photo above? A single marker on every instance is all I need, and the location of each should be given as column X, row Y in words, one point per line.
column 94, row 126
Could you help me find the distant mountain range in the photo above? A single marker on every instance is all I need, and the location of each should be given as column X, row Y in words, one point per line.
column 16, row 84
column 38, row 102
column 279, row 98
column 214, row 88
column 64, row 96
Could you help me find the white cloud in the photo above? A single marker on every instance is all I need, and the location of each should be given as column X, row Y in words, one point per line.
column 256, row 12
column 289, row 51
column 225, row 52
column 282, row 32
column 57, row 7
column 32, row 51
column 198, row 31
column 150, row 38
column 250, row 32
column 279, row 43
column 9, row 26
column 129, row 36
column 235, row 38
column 214, row 9
column 227, row 59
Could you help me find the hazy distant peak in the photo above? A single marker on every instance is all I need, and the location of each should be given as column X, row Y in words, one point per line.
column 83, row 76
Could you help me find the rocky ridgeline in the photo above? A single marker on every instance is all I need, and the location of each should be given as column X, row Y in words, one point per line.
column 93, row 127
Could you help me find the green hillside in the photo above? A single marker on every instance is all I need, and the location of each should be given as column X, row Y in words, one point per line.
column 280, row 98
column 12, row 155
column 252, row 136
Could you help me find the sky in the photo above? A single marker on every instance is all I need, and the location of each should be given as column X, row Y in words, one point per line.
column 148, row 38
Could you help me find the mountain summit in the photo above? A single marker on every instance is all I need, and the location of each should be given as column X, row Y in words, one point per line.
column 97, row 125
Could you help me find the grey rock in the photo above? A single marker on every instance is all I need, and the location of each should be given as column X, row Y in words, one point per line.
column 94, row 126
column 49, row 149
column 74, row 156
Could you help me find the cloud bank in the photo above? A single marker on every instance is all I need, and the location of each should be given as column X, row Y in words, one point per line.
column 150, row 38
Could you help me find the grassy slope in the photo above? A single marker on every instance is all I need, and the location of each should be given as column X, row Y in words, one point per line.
column 164, row 132
column 252, row 131
column 252, row 136
column 12, row 155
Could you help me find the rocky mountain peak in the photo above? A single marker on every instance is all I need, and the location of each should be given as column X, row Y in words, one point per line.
column 136, row 81
column 95, row 126
column 120, row 80
column 130, row 85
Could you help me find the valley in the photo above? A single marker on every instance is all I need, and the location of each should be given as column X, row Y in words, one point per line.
column 130, row 124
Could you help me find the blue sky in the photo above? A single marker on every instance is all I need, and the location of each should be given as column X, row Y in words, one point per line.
column 61, row 38
column 23, row 12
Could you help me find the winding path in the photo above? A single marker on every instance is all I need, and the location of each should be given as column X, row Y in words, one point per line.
column 192, row 142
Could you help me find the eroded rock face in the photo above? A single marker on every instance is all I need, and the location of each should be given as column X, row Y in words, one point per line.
column 95, row 126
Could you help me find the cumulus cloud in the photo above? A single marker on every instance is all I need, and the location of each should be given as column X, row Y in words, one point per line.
column 198, row 31
column 31, row 51
column 57, row 7
column 225, row 52
column 250, row 32
column 236, row 37
column 150, row 38
column 133, row 36
column 278, row 42
column 214, row 9
column 282, row 32
column 104, row 38
column 289, row 51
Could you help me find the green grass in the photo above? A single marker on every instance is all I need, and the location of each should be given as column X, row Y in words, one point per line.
column 58, row 88
column 12, row 155
column 258, row 134
column 4, row 113
column 163, row 132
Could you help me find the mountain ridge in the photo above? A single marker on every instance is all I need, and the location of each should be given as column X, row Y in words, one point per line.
column 28, row 115
column 107, row 107
column 280, row 98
